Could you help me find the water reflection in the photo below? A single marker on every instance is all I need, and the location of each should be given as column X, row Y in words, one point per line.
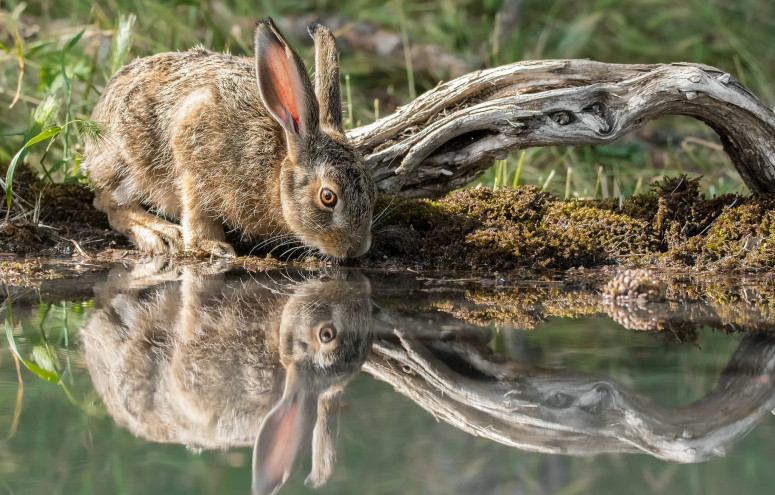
column 183, row 356
column 195, row 356
column 572, row 412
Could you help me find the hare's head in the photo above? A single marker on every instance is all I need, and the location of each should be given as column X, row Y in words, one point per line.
column 325, row 336
column 326, row 192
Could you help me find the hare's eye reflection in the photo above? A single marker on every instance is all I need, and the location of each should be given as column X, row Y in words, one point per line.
column 327, row 334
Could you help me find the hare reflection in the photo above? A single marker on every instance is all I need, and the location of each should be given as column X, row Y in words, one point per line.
column 205, row 361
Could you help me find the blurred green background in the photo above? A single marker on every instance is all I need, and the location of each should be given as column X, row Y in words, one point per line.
column 392, row 51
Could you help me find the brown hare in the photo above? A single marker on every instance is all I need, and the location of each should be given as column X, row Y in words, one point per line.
column 211, row 140
column 191, row 358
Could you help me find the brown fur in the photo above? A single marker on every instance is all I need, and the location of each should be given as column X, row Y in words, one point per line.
column 190, row 137
column 179, row 356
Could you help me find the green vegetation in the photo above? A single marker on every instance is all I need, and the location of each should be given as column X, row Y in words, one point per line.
column 672, row 225
column 68, row 50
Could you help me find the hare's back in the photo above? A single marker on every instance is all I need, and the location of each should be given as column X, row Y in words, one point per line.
column 198, row 105
column 149, row 91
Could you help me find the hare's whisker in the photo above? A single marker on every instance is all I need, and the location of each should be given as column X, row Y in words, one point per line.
column 384, row 211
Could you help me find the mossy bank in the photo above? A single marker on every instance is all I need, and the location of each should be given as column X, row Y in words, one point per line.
column 672, row 226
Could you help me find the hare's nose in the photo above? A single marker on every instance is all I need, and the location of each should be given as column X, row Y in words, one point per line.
column 361, row 249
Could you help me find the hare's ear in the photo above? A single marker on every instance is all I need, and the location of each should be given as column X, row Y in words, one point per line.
column 324, row 439
column 283, row 82
column 279, row 439
column 327, row 86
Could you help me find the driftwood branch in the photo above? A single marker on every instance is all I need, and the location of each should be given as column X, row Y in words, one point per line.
column 444, row 138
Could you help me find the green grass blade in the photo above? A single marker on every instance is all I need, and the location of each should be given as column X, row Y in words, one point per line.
column 49, row 376
column 122, row 42
column 70, row 44
column 548, row 180
column 69, row 93
column 399, row 7
column 599, row 182
column 519, row 169
column 48, row 133
column 20, row 59
column 75, row 40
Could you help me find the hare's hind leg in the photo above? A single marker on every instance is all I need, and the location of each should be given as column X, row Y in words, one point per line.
column 146, row 231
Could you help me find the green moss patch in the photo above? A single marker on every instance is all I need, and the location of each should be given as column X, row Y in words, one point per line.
column 671, row 226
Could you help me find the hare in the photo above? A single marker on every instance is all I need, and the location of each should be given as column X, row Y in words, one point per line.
column 208, row 139
column 185, row 357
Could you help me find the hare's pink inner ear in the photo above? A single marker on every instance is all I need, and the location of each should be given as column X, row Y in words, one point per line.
column 279, row 80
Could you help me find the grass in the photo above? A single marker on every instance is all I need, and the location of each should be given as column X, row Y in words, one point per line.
column 66, row 51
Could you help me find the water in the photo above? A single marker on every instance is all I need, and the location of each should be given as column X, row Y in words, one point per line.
column 163, row 379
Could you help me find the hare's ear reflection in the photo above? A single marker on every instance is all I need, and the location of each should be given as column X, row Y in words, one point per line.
column 325, row 333
column 283, row 432
column 324, row 439
column 280, row 437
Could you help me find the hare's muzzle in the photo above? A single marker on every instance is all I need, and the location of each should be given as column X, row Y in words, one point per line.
column 361, row 248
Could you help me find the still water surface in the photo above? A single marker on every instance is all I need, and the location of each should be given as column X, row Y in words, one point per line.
column 189, row 380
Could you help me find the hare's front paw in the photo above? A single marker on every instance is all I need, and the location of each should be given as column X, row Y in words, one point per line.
column 217, row 248
column 158, row 237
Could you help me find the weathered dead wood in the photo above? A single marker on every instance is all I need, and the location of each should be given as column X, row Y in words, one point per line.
column 444, row 138
column 572, row 412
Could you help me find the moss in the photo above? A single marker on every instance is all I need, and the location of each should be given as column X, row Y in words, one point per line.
column 672, row 225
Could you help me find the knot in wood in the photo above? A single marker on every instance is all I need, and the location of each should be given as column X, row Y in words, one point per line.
column 597, row 109
column 562, row 117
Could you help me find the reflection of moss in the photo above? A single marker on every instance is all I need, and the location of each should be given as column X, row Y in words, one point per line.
column 635, row 284
column 24, row 273
column 526, row 307
column 672, row 225
column 682, row 306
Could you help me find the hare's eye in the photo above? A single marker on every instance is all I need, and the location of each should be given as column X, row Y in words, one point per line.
column 327, row 197
column 327, row 333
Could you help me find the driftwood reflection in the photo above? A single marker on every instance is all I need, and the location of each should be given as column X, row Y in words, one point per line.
column 188, row 357
column 460, row 380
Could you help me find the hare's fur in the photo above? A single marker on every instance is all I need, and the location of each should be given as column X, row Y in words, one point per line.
column 186, row 357
column 189, row 137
